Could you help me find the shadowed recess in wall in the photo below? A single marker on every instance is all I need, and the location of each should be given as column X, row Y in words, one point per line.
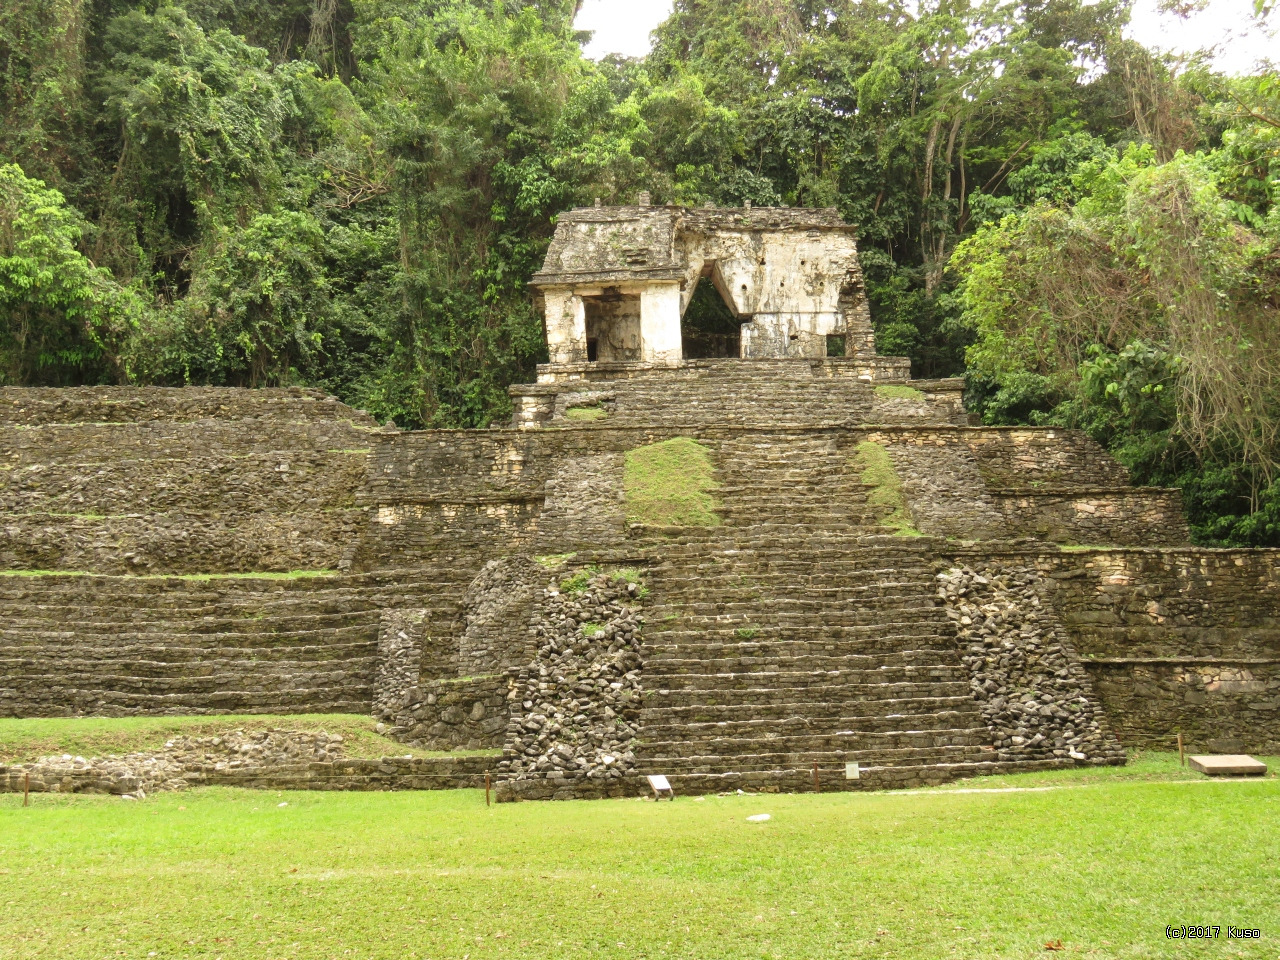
column 670, row 484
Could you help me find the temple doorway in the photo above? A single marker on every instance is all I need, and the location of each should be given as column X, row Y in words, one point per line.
column 709, row 329
column 613, row 326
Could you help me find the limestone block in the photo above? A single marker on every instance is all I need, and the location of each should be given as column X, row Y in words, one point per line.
column 1228, row 766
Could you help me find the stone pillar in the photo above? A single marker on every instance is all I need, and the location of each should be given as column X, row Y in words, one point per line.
column 660, row 323
column 566, row 326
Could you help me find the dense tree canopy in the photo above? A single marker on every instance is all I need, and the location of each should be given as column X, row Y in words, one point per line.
column 354, row 193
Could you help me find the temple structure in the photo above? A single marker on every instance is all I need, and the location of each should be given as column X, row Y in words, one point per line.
column 618, row 280
column 794, row 568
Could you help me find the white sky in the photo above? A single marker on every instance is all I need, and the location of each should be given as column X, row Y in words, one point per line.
column 623, row 26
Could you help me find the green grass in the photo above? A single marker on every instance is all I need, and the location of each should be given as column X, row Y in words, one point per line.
column 576, row 584
column 670, row 484
column 29, row 739
column 1101, row 866
column 876, row 467
column 585, row 413
column 1149, row 766
column 893, row 391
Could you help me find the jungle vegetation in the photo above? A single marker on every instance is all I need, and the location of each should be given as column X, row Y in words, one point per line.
column 353, row 194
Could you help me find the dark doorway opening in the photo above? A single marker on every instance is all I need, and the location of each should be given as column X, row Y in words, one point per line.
column 613, row 326
column 709, row 329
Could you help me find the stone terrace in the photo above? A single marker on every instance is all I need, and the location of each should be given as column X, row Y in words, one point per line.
column 213, row 551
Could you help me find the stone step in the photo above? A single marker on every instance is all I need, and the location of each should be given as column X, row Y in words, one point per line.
column 772, row 689
column 110, row 703
column 798, row 778
column 669, row 666
column 777, row 677
column 760, row 754
column 673, row 723
column 796, row 596
column 245, row 623
column 314, row 647
column 796, row 615
column 720, row 640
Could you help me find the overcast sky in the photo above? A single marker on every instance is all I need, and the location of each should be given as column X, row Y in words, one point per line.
column 623, row 26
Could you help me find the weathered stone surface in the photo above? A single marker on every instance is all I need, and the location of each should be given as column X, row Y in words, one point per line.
column 1174, row 640
column 797, row 633
column 1034, row 694
column 574, row 709
column 265, row 759
column 617, row 280
column 1228, row 766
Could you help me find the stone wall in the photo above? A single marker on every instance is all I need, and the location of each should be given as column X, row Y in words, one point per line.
column 1123, row 516
column 585, row 503
column 274, row 492
column 32, row 406
column 1173, row 640
column 266, row 760
column 574, row 709
column 1035, row 696
column 464, row 713
column 945, row 492
column 983, row 483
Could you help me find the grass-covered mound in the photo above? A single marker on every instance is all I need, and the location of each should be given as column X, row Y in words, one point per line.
column 670, row 484
column 23, row 740
column 1101, row 862
column 875, row 466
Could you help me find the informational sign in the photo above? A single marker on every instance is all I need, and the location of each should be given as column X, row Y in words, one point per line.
column 851, row 771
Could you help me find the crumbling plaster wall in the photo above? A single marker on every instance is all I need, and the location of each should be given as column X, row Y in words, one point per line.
column 791, row 276
column 786, row 285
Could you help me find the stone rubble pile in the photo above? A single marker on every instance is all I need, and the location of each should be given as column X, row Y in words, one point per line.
column 1034, row 695
column 575, row 708
column 182, row 760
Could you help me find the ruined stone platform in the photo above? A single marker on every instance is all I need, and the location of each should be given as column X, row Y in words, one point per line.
column 870, row 578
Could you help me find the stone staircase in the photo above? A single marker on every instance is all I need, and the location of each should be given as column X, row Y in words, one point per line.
column 800, row 633
column 110, row 645
column 759, row 394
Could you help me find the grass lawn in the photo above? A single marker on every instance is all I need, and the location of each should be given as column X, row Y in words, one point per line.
column 1101, row 860
column 22, row 740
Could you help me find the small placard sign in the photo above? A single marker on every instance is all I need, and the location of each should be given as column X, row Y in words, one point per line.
column 851, row 771
column 659, row 782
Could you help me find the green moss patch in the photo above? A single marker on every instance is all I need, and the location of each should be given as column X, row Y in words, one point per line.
column 577, row 583
column 670, row 484
column 877, row 468
column 553, row 561
column 586, row 413
column 898, row 392
column 30, row 739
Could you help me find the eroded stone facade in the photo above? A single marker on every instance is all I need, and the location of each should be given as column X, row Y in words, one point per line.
column 617, row 281
column 297, row 558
